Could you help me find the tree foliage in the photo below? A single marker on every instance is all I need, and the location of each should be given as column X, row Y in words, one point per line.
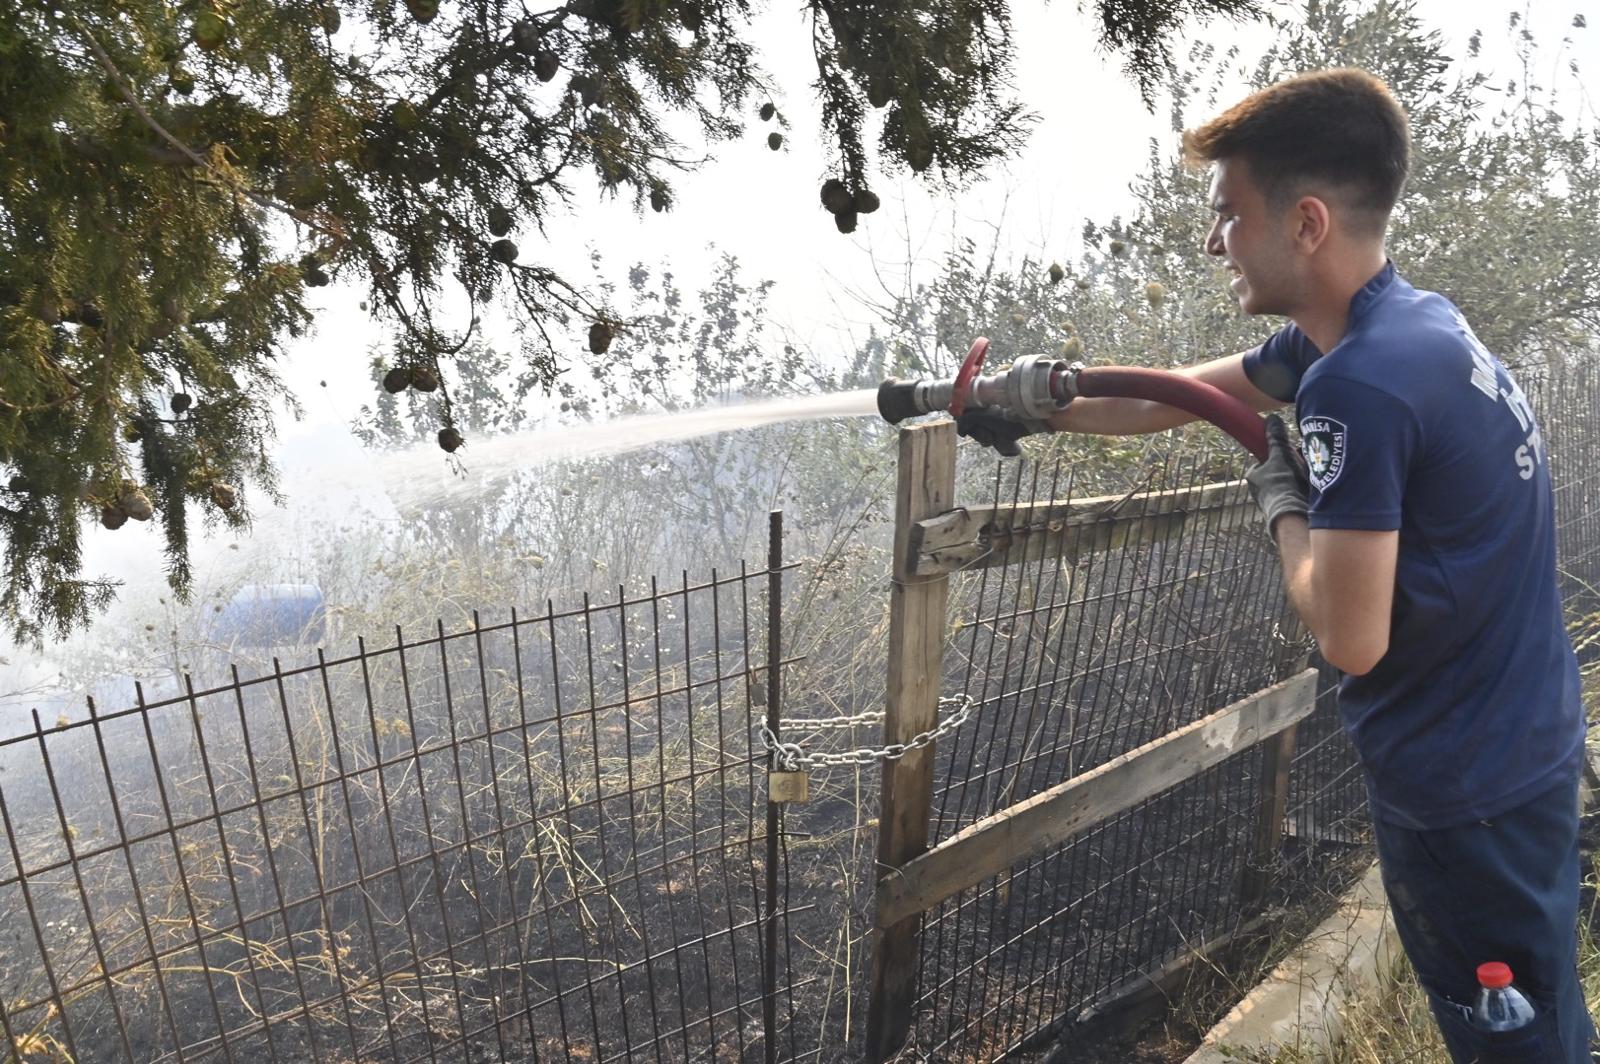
column 175, row 173
column 1501, row 214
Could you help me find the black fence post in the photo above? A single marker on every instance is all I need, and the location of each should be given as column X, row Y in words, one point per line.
column 769, row 996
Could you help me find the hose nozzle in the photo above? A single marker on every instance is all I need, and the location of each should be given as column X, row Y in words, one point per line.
column 901, row 399
column 1033, row 388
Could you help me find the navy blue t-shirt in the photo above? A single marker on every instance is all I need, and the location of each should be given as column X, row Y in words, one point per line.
column 1409, row 423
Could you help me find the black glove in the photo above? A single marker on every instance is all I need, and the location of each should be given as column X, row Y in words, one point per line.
column 984, row 426
column 1280, row 484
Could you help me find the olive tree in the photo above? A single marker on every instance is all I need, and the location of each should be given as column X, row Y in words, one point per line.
column 1501, row 214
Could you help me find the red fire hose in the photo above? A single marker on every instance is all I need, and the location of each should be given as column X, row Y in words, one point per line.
column 1187, row 394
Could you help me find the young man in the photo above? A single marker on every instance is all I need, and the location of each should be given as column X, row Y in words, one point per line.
column 1418, row 548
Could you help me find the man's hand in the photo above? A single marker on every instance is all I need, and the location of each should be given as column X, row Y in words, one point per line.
column 993, row 430
column 1279, row 484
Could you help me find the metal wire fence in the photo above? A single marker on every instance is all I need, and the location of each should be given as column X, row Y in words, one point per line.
column 538, row 838
column 1566, row 397
column 1073, row 660
column 546, row 837
column 1078, row 658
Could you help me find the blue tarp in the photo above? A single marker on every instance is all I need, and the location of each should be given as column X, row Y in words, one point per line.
column 272, row 615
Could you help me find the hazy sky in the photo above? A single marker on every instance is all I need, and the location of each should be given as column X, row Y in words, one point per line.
column 1090, row 142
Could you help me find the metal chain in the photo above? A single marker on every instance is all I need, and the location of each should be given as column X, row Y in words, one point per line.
column 1306, row 643
column 792, row 757
column 871, row 716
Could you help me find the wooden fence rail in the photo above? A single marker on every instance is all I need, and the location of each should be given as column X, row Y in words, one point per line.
column 1051, row 817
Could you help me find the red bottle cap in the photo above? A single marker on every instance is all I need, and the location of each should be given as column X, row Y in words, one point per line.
column 1494, row 975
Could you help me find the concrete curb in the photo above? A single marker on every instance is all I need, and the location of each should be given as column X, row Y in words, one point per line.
column 1299, row 1003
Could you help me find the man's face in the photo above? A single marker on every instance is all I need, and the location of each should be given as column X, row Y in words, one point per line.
column 1254, row 240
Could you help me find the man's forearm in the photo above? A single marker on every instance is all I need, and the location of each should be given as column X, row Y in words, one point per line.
column 1135, row 417
column 1294, row 548
column 1118, row 417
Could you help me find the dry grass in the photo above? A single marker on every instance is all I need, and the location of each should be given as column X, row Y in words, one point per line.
column 1390, row 1023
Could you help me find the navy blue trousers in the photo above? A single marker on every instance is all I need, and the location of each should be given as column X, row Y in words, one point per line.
column 1503, row 889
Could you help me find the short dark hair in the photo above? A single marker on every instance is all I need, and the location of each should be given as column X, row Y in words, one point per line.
column 1339, row 127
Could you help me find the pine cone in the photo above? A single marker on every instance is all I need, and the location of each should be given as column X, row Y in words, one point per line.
column 767, row 111
column 450, row 439
column 845, row 221
column 304, row 186
column 546, row 66
column 1056, row 273
column 224, row 495
column 587, row 88
column 210, row 31
column 396, row 380
column 134, row 503
column 503, row 251
column 836, row 197
column 866, row 201
column 424, row 379
column 525, row 37
column 774, row 140
column 181, row 401
column 600, row 337
column 112, row 518
column 919, row 155
column 404, row 114
column 500, row 220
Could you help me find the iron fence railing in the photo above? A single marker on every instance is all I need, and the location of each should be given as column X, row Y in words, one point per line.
column 537, row 838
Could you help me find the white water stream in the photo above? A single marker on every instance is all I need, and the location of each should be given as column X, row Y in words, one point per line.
column 416, row 476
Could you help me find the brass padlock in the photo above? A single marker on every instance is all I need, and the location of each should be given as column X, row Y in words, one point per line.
column 785, row 786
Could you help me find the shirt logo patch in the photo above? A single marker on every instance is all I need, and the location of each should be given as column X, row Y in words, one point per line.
column 1324, row 443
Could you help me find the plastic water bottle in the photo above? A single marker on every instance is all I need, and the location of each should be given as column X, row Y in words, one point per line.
column 1501, row 1006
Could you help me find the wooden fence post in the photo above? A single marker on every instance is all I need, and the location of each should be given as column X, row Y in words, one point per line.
column 926, row 486
column 1272, row 801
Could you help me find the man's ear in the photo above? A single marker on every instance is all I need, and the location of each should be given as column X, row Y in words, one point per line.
column 1312, row 223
